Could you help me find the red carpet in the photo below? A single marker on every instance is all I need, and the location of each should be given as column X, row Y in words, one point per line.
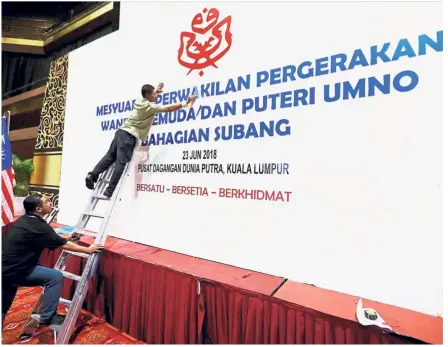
column 89, row 330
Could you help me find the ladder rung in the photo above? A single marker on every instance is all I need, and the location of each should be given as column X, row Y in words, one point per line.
column 86, row 232
column 93, row 214
column 83, row 255
column 71, row 276
column 65, row 302
column 100, row 197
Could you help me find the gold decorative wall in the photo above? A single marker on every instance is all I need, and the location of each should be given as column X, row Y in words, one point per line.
column 48, row 151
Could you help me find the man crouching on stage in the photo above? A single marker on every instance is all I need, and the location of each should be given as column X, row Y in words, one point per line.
column 22, row 247
column 135, row 128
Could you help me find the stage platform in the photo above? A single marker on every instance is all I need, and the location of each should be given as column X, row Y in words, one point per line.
column 162, row 297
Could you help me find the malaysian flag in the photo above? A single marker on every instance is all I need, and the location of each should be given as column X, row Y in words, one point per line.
column 8, row 177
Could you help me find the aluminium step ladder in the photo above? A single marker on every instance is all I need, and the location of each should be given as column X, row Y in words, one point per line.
column 63, row 332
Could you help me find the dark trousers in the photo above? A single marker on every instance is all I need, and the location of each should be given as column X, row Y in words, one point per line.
column 120, row 153
column 51, row 279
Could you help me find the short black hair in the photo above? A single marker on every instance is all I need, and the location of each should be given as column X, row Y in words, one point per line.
column 31, row 203
column 147, row 89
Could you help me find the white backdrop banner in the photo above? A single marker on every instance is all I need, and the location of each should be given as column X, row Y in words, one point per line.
column 313, row 151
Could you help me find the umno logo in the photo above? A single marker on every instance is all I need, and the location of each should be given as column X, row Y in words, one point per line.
column 208, row 41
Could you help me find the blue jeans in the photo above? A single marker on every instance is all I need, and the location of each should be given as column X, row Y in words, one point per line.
column 51, row 279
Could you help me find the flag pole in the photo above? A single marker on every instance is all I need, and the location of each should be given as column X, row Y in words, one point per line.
column 7, row 115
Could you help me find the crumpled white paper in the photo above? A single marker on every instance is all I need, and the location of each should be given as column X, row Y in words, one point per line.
column 368, row 316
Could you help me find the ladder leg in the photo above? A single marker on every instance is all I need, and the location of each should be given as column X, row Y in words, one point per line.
column 63, row 336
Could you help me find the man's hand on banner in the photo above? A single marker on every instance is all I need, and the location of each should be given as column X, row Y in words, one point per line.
column 159, row 88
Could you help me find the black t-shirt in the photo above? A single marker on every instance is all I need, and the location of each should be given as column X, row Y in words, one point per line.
column 23, row 244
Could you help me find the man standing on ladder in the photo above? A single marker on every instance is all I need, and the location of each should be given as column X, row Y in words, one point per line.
column 135, row 128
column 22, row 247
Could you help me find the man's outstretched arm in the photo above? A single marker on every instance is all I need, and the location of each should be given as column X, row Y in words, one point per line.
column 71, row 246
column 178, row 106
column 74, row 247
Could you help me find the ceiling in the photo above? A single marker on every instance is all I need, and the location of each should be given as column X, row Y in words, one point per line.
column 36, row 20
column 38, row 27
column 42, row 10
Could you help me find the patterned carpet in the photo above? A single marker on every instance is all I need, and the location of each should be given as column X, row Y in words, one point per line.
column 89, row 329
